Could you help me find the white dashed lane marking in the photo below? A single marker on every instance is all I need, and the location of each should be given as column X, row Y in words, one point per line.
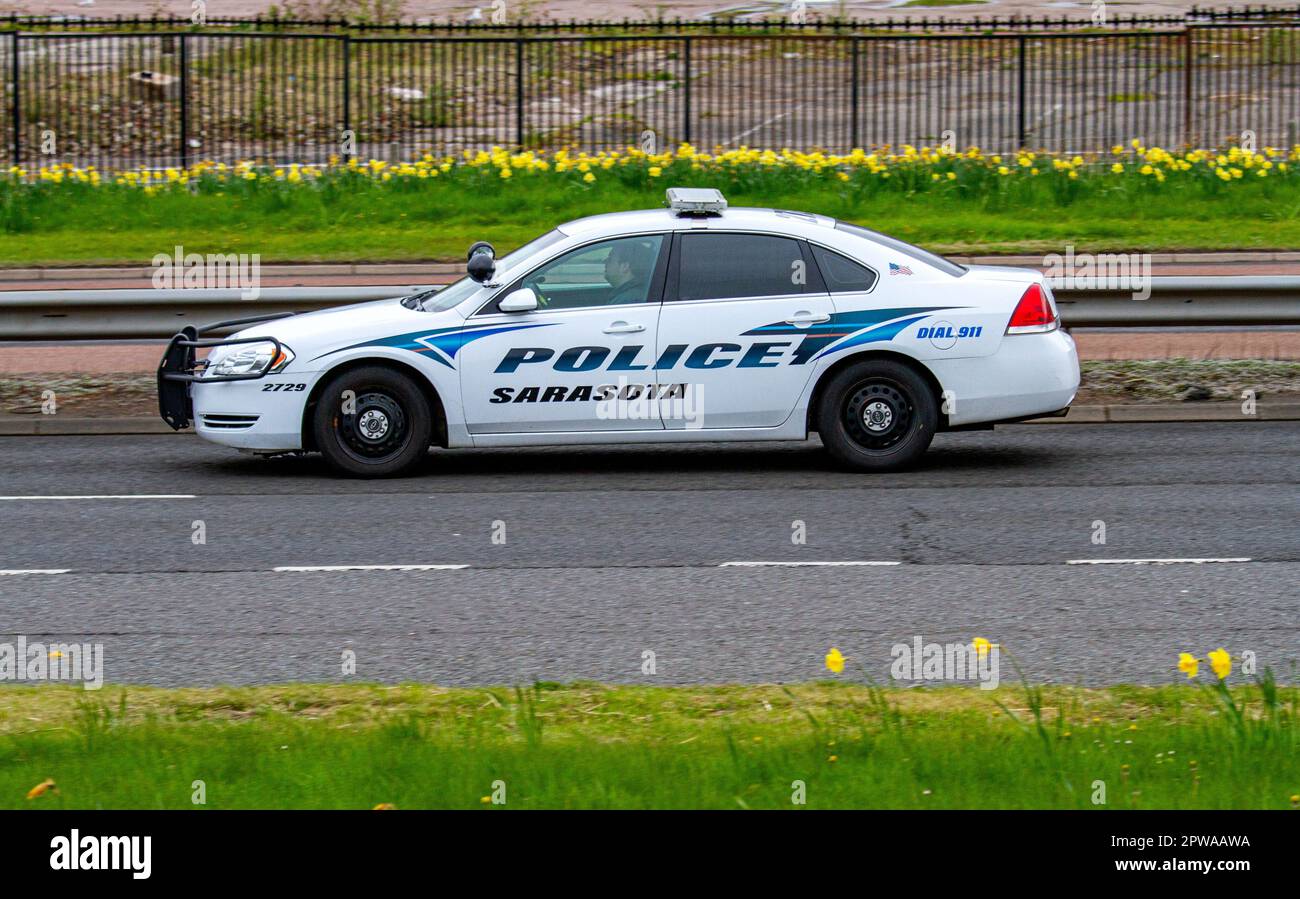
column 799, row 564
column 300, row 568
column 104, row 496
column 1153, row 561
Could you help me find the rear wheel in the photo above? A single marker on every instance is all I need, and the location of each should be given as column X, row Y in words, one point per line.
column 372, row 422
column 877, row 415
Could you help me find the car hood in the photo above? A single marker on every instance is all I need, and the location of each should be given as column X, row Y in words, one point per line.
column 313, row 334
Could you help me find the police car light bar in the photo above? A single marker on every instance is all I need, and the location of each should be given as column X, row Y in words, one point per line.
column 696, row 200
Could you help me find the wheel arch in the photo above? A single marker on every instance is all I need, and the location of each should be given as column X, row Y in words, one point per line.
column 421, row 380
column 865, row 356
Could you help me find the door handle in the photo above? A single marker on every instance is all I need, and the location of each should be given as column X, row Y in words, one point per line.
column 624, row 328
column 807, row 318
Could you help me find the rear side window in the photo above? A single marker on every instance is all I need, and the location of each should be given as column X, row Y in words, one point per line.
column 842, row 274
column 717, row 266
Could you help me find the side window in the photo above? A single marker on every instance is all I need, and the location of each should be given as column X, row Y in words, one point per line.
column 841, row 273
column 609, row 273
column 714, row 266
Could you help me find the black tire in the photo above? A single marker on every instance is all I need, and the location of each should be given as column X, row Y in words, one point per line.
column 877, row 415
column 384, row 431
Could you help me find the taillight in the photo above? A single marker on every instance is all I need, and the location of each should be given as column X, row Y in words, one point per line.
column 1034, row 313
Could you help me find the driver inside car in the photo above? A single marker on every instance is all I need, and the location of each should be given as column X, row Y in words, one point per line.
column 627, row 269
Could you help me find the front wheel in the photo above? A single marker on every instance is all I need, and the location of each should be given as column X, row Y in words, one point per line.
column 877, row 415
column 372, row 422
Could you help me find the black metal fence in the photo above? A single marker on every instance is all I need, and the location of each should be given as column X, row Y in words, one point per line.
column 166, row 98
column 740, row 20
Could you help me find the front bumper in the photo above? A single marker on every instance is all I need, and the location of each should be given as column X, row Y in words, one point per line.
column 254, row 415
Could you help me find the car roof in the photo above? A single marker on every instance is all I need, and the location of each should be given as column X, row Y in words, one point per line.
column 737, row 218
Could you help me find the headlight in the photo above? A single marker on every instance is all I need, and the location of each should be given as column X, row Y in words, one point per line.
column 249, row 359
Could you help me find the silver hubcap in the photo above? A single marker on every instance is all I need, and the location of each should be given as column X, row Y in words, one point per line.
column 373, row 424
column 877, row 416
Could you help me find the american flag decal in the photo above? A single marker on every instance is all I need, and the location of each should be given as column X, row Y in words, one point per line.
column 896, row 269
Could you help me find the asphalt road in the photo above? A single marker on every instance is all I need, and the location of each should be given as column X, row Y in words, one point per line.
column 610, row 553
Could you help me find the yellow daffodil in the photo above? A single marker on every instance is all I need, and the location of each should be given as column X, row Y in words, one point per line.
column 982, row 646
column 1188, row 664
column 936, row 164
column 835, row 661
column 1221, row 663
column 45, row 786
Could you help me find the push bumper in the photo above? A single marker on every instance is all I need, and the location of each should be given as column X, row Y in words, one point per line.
column 180, row 366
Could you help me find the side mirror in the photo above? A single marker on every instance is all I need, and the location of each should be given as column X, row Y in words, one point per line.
column 521, row 300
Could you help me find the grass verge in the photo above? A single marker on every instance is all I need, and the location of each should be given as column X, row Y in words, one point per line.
column 364, row 221
column 593, row 746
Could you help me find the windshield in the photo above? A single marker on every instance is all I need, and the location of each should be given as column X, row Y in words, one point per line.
column 442, row 299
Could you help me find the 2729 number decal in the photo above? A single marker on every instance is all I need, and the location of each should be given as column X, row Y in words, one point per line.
column 272, row 388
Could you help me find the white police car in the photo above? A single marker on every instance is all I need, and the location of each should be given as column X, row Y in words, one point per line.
column 690, row 323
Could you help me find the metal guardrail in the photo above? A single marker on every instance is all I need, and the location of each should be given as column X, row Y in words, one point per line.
column 135, row 313
column 1200, row 300
column 144, row 313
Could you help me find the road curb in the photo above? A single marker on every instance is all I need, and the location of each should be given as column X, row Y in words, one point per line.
column 1118, row 413
column 56, row 426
